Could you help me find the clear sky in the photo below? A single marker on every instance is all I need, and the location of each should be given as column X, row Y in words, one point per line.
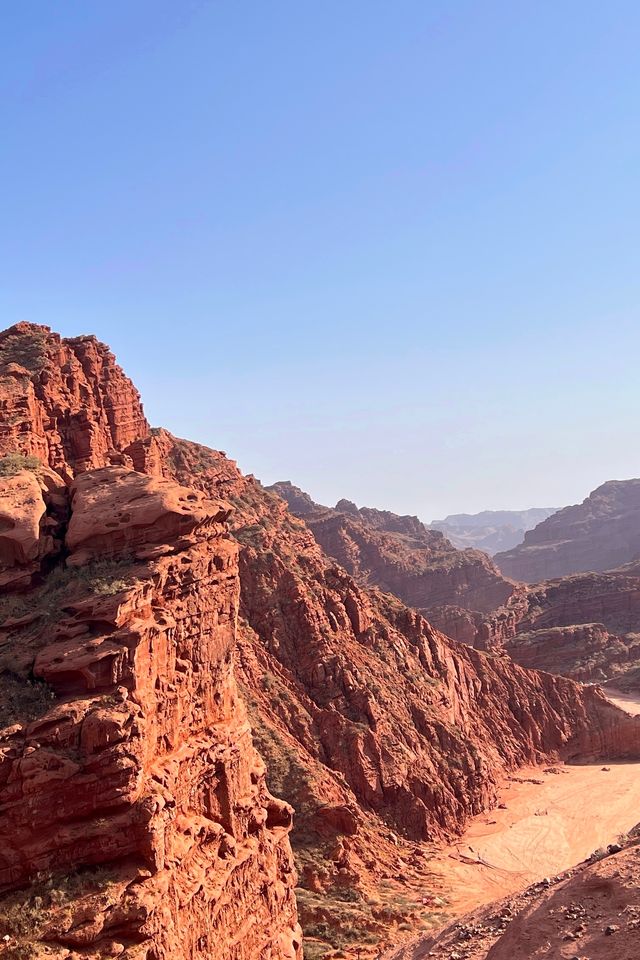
column 388, row 250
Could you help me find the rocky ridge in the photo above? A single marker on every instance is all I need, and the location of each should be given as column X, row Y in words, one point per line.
column 400, row 555
column 601, row 533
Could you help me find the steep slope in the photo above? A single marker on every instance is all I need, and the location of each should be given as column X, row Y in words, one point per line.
column 591, row 912
column 399, row 555
column 370, row 718
column 601, row 533
column 491, row 530
column 135, row 820
column 383, row 733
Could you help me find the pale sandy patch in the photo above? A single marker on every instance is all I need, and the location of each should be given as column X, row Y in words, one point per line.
column 546, row 828
column 628, row 702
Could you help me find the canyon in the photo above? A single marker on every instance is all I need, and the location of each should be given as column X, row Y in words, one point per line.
column 601, row 533
column 200, row 677
column 493, row 531
column 585, row 626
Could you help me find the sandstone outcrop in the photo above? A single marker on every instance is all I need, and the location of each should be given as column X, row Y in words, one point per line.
column 128, row 773
column 65, row 401
column 601, row 533
column 135, row 820
column 585, row 626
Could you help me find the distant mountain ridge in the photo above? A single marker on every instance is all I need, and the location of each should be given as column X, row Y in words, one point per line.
column 601, row 533
column 401, row 555
column 491, row 530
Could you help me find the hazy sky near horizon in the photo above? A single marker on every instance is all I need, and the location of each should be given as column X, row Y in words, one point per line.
column 387, row 250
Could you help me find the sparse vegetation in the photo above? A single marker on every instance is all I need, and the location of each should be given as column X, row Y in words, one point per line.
column 27, row 350
column 23, row 700
column 24, row 915
column 12, row 463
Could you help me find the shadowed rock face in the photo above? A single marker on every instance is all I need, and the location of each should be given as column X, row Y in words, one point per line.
column 601, row 533
column 131, row 775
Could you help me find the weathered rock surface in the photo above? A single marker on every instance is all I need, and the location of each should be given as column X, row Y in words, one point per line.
column 585, row 626
column 134, row 815
column 382, row 731
column 65, row 401
column 400, row 555
column 601, row 533
column 360, row 705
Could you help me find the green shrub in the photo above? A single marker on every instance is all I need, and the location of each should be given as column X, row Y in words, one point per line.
column 13, row 463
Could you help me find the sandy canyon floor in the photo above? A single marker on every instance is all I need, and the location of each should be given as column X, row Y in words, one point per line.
column 549, row 819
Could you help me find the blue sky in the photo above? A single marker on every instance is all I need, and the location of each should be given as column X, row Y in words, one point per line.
column 386, row 250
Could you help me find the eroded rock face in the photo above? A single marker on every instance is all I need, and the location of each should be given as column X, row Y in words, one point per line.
column 134, row 816
column 400, row 555
column 33, row 510
column 601, row 533
column 65, row 401
column 380, row 730
column 585, row 626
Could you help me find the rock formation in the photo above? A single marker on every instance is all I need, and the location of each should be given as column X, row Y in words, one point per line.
column 399, row 555
column 491, row 530
column 369, row 717
column 132, row 799
column 585, row 626
column 135, row 820
column 601, row 533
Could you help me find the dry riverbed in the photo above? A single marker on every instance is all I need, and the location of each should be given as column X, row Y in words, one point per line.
column 549, row 822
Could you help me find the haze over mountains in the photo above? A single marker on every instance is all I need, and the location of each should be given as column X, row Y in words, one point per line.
column 491, row 530
column 600, row 533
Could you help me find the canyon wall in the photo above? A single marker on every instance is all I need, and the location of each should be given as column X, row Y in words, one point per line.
column 400, row 555
column 601, row 533
column 131, row 791
column 135, row 819
column 371, row 719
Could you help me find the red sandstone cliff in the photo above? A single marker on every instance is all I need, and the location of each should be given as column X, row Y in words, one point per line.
column 134, row 781
column 134, row 816
column 586, row 626
column 601, row 533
